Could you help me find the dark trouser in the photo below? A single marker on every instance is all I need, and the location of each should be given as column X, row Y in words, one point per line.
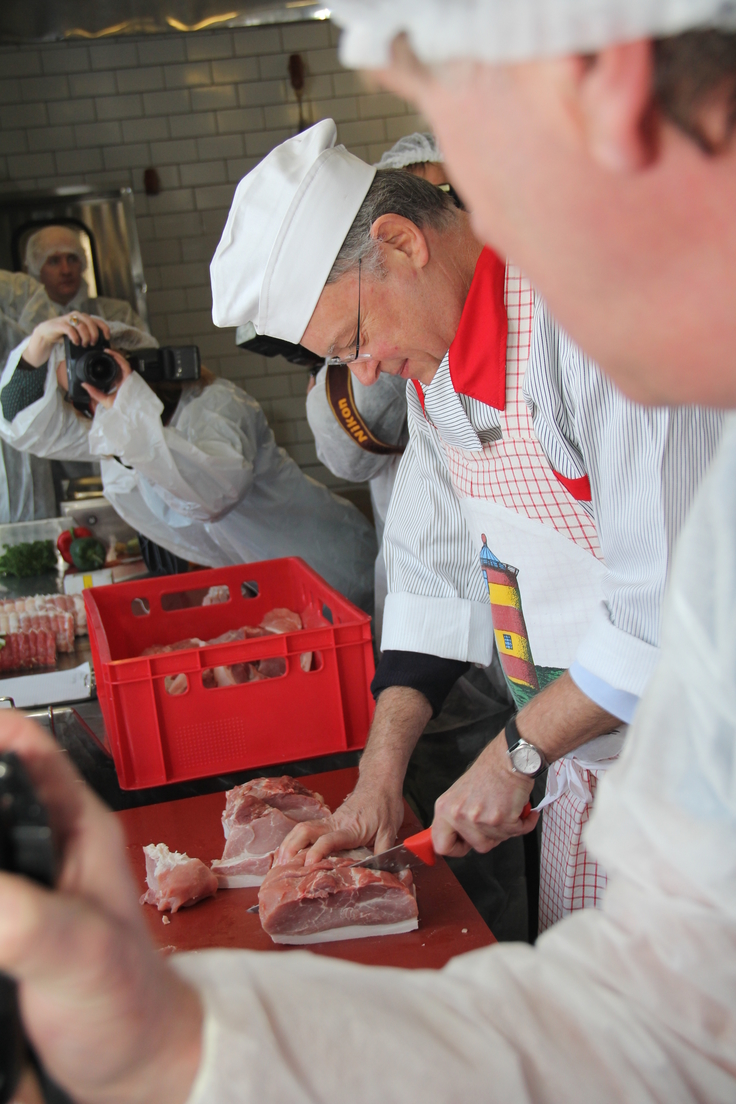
column 495, row 882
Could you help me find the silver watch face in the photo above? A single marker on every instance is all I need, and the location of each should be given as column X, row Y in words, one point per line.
column 526, row 758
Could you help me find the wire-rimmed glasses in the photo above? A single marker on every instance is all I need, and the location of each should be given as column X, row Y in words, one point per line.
column 358, row 355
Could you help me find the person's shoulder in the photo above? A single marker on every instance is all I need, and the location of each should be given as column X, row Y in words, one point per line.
column 116, row 310
column 226, row 397
column 18, row 283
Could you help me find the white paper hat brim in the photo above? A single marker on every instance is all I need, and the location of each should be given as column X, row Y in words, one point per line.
column 512, row 30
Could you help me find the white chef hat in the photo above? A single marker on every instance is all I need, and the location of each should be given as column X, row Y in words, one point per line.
column 413, row 149
column 512, row 30
column 289, row 217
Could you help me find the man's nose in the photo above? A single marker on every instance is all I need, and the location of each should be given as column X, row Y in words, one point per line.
column 367, row 371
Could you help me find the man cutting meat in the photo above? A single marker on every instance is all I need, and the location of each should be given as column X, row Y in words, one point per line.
column 634, row 1002
column 404, row 280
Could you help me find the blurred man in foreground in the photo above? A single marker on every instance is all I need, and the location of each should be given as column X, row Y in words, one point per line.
column 608, row 172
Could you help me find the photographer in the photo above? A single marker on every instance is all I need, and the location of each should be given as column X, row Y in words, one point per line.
column 54, row 255
column 192, row 465
column 26, row 483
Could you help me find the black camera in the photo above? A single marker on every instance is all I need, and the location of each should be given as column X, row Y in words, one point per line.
column 93, row 364
column 26, row 847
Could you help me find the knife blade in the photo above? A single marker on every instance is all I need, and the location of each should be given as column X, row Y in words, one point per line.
column 416, row 851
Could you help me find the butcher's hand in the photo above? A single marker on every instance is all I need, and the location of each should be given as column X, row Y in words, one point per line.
column 372, row 814
column 484, row 806
column 109, row 1020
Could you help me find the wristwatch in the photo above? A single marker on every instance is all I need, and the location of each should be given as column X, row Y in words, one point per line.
column 525, row 758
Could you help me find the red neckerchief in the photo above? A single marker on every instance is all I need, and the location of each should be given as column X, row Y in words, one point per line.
column 478, row 352
column 477, row 355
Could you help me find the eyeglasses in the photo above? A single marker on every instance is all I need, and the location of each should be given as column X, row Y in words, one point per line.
column 358, row 355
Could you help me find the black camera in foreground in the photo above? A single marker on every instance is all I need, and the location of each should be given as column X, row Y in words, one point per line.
column 26, row 847
column 93, row 364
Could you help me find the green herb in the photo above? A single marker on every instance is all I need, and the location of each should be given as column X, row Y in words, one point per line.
column 28, row 558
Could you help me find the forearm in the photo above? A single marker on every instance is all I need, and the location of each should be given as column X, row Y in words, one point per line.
column 561, row 718
column 373, row 812
column 201, row 480
column 402, row 714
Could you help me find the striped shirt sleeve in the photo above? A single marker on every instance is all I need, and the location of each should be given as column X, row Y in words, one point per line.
column 437, row 603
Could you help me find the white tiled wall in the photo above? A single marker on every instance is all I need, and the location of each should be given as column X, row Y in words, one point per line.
column 202, row 109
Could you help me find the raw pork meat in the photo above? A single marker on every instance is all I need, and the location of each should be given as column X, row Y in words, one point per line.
column 333, row 900
column 176, row 685
column 290, row 796
column 72, row 604
column 174, row 880
column 281, row 621
column 26, row 640
column 258, row 817
column 276, row 621
column 215, row 595
column 253, row 831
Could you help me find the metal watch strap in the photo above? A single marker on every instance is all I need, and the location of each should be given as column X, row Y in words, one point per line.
column 513, row 738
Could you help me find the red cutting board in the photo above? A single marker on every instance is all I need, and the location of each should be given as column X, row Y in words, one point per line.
column 448, row 922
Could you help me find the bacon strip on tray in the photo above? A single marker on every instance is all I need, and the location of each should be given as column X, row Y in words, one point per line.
column 50, row 603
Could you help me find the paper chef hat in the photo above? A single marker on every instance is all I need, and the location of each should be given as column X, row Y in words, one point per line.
column 512, row 30
column 289, row 217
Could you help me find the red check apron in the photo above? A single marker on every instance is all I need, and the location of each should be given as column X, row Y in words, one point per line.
column 540, row 555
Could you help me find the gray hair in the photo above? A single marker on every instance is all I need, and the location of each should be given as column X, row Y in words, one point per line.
column 39, row 247
column 394, row 192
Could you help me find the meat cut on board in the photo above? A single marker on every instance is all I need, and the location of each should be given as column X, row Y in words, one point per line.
column 257, row 819
column 174, row 880
column 334, row 900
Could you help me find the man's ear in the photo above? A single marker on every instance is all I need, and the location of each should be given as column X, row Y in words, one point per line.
column 401, row 234
column 616, row 103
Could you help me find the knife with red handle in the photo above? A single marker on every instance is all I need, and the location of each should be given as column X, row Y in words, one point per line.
column 414, row 851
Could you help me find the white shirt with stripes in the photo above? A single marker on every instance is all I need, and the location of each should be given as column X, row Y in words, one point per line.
column 643, row 466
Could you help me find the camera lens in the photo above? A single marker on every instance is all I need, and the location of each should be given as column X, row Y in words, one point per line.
column 101, row 371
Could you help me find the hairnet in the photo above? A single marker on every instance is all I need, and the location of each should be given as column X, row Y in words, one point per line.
column 512, row 30
column 413, row 149
column 39, row 248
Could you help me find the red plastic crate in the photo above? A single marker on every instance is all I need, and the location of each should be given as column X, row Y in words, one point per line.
column 157, row 738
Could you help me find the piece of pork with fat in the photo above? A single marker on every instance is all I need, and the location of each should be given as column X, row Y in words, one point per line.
column 253, row 831
column 333, row 900
column 257, row 818
column 174, row 879
column 290, row 796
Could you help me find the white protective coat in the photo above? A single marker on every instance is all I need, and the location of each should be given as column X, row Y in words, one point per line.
column 26, row 484
column 212, row 486
column 112, row 310
column 633, row 1004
